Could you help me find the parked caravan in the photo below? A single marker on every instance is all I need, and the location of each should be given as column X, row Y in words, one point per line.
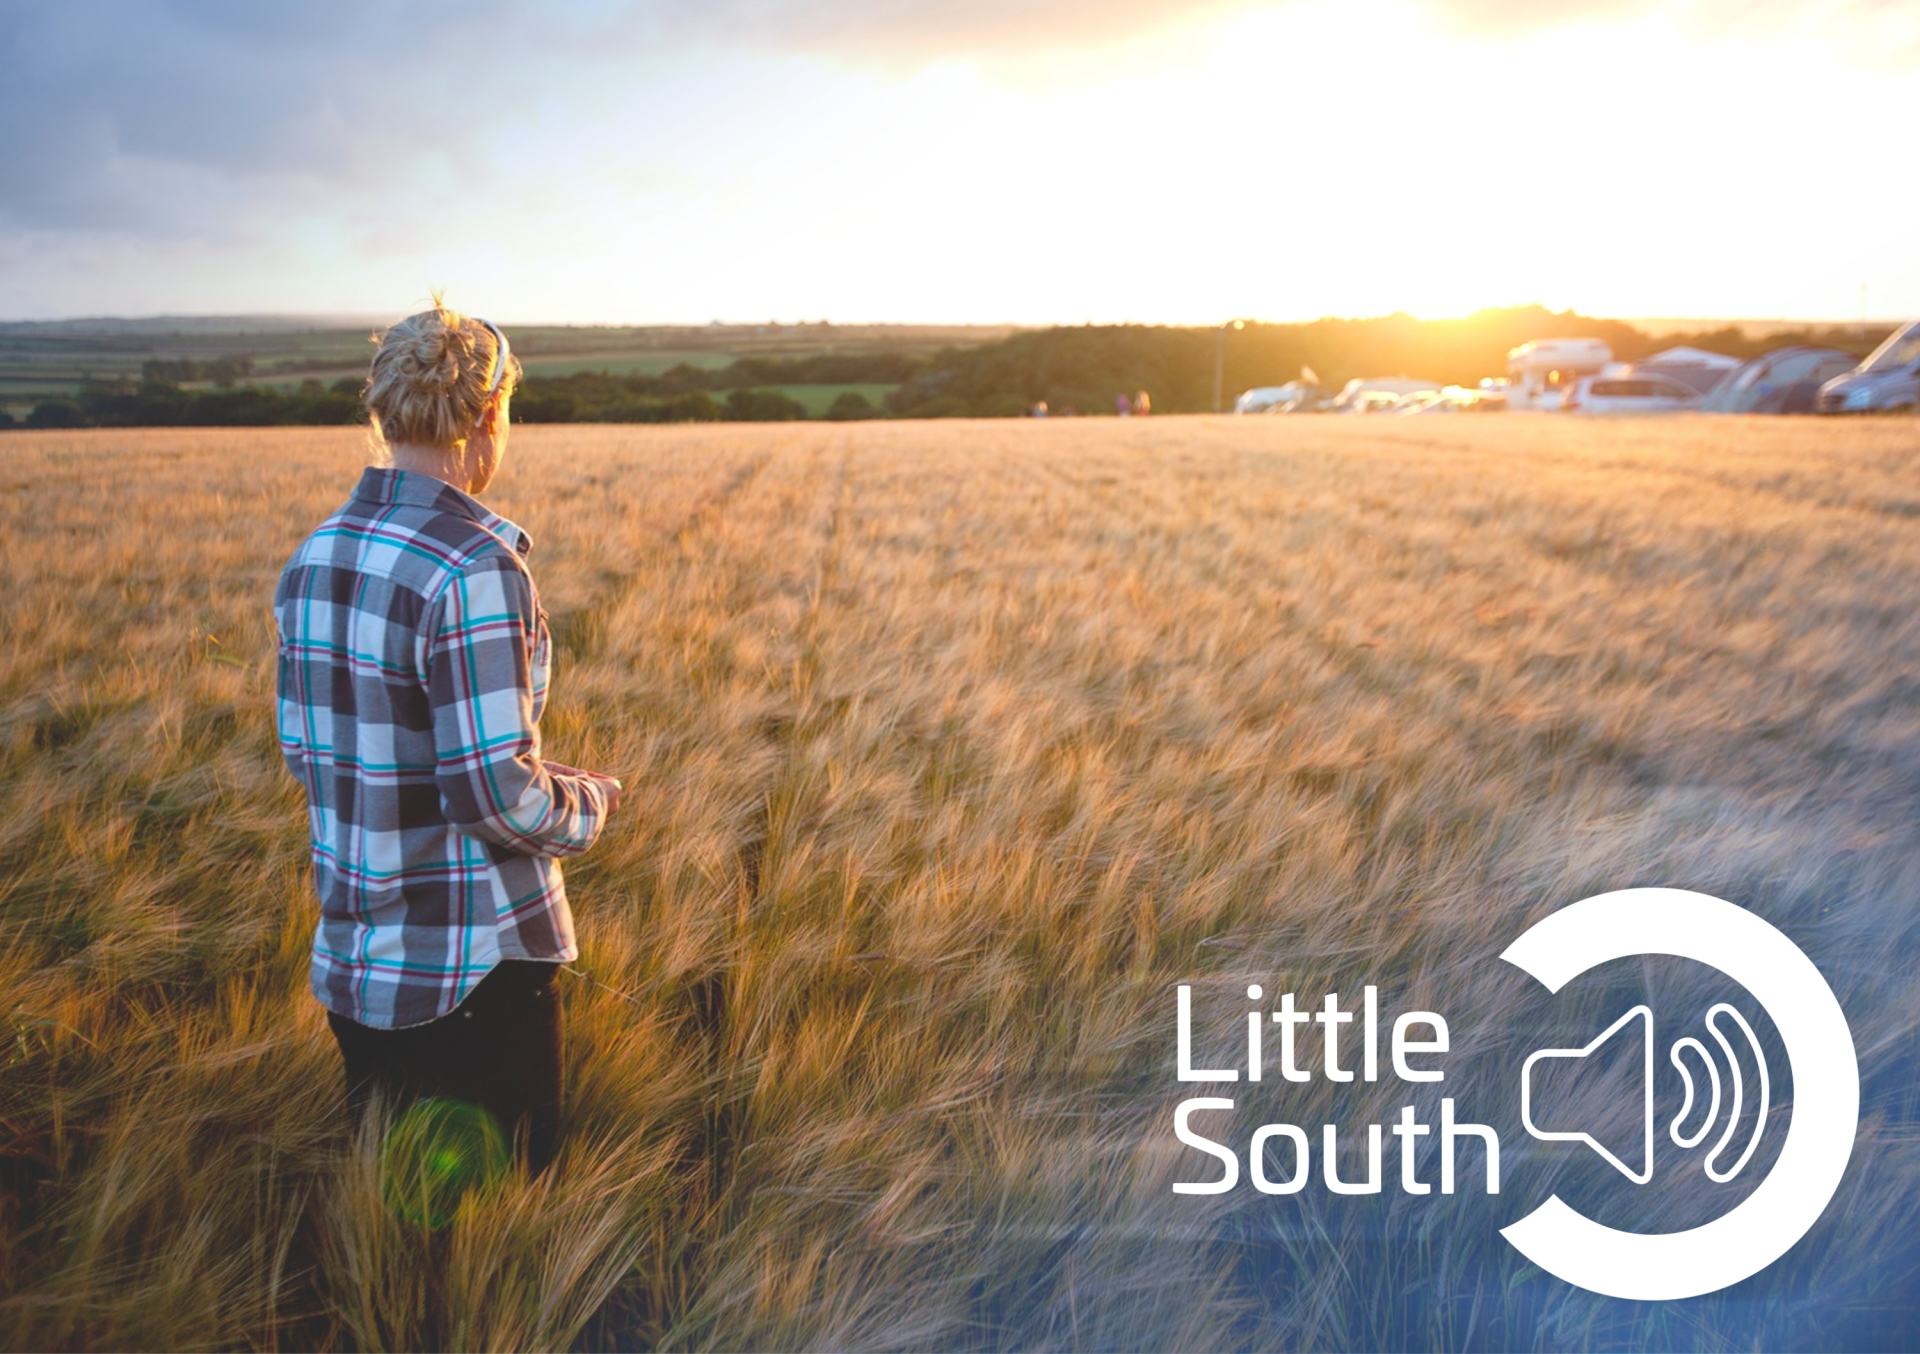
column 1784, row 381
column 1540, row 372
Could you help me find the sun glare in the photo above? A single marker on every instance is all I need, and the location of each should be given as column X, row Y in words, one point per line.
column 1337, row 159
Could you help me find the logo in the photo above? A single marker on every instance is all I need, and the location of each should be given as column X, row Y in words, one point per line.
column 1358, row 1041
column 1826, row 1078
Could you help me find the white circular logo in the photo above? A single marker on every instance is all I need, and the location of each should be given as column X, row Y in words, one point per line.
column 1826, row 1078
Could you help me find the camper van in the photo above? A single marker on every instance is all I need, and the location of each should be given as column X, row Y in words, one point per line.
column 1888, row 379
column 1539, row 373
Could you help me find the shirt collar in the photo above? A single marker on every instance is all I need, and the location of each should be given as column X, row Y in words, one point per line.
column 384, row 484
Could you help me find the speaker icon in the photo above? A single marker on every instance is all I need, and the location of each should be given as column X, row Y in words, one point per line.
column 1640, row 1018
column 1635, row 1030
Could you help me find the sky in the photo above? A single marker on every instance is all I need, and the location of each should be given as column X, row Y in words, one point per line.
column 927, row 161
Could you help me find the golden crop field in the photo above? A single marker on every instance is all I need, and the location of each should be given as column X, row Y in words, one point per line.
column 950, row 749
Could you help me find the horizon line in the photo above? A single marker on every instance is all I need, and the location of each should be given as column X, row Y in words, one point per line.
column 357, row 319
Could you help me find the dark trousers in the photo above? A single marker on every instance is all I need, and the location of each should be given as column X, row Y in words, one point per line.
column 499, row 1049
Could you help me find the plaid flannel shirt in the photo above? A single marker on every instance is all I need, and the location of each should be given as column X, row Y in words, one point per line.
column 413, row 669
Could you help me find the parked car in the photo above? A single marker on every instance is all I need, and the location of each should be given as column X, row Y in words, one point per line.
column 1271, row 399
column 1629, row 395
column 1455, row 400
column 1888, row 379
column 1694, row 367
column 1783, row 381
column 1362, row 390
column 1420, row 402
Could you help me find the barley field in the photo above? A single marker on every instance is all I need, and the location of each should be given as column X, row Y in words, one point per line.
column 951, row 748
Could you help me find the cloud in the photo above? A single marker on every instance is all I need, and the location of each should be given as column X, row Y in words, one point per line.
column 906, row 32
column 927, row 30
column 1878, row 29
column 158, row 117
column 144, row 116
column 184, row 117
column 1502, row 17
column 371, row 143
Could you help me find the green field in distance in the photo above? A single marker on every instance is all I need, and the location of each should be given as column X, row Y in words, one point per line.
column 50, row 358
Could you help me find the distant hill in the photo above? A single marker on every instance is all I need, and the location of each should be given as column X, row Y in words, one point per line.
column 208, row 325
column 1660, row 326
column 56, row 358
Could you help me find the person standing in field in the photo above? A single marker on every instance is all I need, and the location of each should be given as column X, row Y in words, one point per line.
column 413, row 666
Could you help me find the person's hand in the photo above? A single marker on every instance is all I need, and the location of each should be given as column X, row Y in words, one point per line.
column 609, row 786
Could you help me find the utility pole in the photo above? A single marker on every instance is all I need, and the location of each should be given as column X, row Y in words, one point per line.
column 1220, row 361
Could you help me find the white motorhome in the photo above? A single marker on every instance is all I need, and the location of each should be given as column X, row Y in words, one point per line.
column 1540, row 373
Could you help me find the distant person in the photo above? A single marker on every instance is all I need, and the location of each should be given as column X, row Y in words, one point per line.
column 1039, row 409
column 414, row 659
column 1142, row 405
column 1122, row 406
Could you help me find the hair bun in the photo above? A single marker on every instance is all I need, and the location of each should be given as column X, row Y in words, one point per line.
column 438, row 354
column 430, row 377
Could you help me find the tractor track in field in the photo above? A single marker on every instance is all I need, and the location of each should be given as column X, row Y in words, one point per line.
column 779, row 729
column 1362, row 662
column 709, row 998
column 582, row 632
column 1454, row 703
column 1888, row 510
column 728, row 1071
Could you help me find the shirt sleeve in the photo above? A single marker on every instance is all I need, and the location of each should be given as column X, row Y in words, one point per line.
column 291, row 745
column 289, row 701
column 493, row 784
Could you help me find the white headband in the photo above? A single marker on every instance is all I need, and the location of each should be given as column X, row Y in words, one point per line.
column 501, row 351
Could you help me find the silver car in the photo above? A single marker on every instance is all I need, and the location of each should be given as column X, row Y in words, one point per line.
column 1888, row 379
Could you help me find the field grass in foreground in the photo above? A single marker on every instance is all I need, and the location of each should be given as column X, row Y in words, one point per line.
column 951, row 748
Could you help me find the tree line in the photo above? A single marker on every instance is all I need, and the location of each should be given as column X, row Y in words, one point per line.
column 1071, row 369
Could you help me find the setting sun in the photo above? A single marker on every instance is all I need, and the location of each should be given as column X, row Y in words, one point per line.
column 1079, row 162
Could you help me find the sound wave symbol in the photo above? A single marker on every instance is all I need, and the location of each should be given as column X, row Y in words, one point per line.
column 1736, row 1087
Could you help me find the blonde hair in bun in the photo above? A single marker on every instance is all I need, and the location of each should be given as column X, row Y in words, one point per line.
column 429, row 382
